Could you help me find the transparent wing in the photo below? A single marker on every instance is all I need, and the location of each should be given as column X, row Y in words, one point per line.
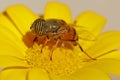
column 84, row 34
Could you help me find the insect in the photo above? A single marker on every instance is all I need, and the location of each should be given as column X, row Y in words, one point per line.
column 57, row 30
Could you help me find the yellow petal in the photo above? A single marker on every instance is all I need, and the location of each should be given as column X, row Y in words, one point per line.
column 6, row 61
column 105, row 42
column 8, row 24
column 110, row 66
column 54, row 77
column 113, row 55
column 84, row 74
column 21, row 16
column 57, row 11
column 90, row 21
column 37, row 74
column 10, row 42
column 13, row 74
column 89, row 74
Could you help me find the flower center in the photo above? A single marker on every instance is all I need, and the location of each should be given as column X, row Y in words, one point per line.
column 64, row 61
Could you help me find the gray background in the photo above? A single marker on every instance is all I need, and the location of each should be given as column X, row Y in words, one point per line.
column 108, row 8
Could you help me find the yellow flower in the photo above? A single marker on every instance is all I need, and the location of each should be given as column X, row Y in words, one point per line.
column 19, row 62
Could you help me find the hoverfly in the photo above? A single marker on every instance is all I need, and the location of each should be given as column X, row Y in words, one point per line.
column 58, row 30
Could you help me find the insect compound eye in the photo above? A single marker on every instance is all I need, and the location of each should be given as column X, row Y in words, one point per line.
column 40, row 21
column 37, row 22
column 38, row 25
column 31, row 27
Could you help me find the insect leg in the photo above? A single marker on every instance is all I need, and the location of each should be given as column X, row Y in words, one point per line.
column 85, row 52
column 44, row 44
column 51, row 52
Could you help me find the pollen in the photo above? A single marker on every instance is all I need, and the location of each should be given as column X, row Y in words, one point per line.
column 64, row 61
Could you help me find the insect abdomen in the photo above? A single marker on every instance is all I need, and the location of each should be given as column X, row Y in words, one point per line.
column 70, row 35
